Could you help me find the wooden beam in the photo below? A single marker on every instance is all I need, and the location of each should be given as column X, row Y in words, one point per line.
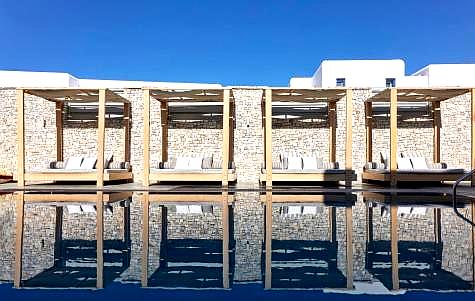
column 472, row 101
column 225, row 150
column 164, row 128
column 436, row 122
column 349, row 137
column 268, row 133
column 393, row 136
column 369, row 131
column 394, row 247
column 101, row 132
column 231, row 131
column 58, row 234
column 349, row 247
column 20, row 101
column 225, row 221
column 437, row 225
column 332, row 131
column 145, row 239
column 268, row 241
column 127, row 136
column 20, row 215
column 146, row 137
column 59, row 130
column 100, row 239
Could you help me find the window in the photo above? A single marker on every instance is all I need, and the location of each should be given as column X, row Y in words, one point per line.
column 340, row 82
column 390, row 82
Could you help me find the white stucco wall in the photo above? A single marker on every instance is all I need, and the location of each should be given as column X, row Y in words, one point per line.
column 361, row 73
column 449, row 75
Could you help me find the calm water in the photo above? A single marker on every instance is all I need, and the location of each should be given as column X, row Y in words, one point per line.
column 241, row 243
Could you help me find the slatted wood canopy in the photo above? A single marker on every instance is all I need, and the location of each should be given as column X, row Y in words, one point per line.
column 433, row 95
column 330, row 96
column 167, row 97
column 60, row 96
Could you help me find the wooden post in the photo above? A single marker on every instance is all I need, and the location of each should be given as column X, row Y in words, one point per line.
column 164, row 123
column 146, row 137
column 349, row 247
column 59, row 130
column 20, row 101
column 225, row 145
column 393, row 136
column 472, row 101
column 349, row 137
column 332, row 131
column 436, row 122
column 145, row 239
column 268, row 241
column 225, row 220
column 369, row 223
column 58, row 235
column 394, row 244
column 268, row 133
column 20, row 215
column 101, row 132
column 100, row 239
column 127, row 136
column 369, row 131
column 231, row 130
column 332, row 224
column 473, row 244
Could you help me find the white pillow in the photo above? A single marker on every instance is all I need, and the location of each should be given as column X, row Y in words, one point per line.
column 294, row 163
column 182, row 209
column 419, row 163
column 73, row 163
column 195, row 163
column 107, row 160
column 404, row 163
column 182, row 162
column 309, row 163
column 195, row 209
column 88, row 163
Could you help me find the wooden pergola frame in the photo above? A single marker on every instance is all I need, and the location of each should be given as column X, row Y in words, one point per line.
column 99, row 199
column 165, row 96
column 60, row 96
column 224, row 200
column 330, row 96
column 269, row 199
column 433, row 95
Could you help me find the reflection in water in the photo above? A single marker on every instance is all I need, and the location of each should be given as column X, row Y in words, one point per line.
column 307, row 263
column 189, row 262
column 418, row 264
column 217, row 240
column 77, row 262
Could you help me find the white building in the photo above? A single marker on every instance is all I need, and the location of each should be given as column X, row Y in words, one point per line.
column 32, row 79
column 385, row 73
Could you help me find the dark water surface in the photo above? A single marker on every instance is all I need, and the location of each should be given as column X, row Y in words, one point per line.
column 239, row 245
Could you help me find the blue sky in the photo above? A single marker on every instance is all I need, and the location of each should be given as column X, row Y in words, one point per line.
column 230, row 42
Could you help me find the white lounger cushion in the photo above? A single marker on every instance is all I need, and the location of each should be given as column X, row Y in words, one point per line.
column 88, row 163
column 311, row 210
column 182, row 209
column 195, row 209
column 294, row 210
column 182, row 162
column 74, row 209
column 195, row 163
column 294, row 163
column 74, row 163
column 419, row 163
column 404, row 163
column 88, row 208
column 309, row 163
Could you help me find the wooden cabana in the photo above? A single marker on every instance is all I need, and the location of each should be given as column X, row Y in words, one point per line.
column 59, row 200
column 434, row 96
column 75, row 95
column 329, row 96
column 167, row 97
column 223, row 200
column 327, row 249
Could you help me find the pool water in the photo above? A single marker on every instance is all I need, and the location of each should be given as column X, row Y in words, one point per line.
column 239, row 244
